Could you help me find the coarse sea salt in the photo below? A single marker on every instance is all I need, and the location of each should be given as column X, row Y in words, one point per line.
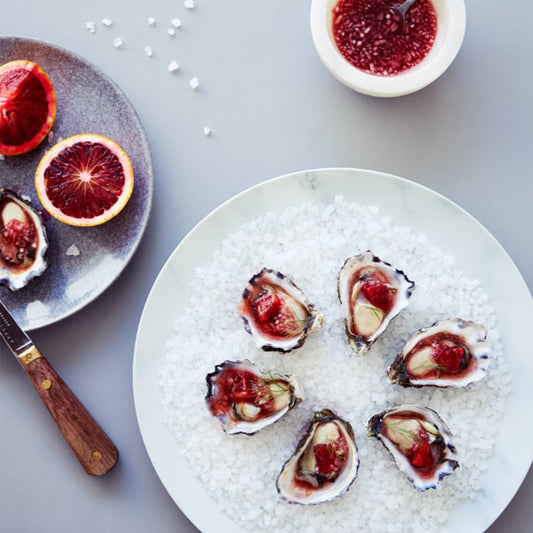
column 173, row 66
column 189, row 4
column 176, row 23
column 194, row 83
column 148, row 51
column 151, row 21
column 107, row 22
column 310, row 242
column 118, row 42
column 91, row 27
column 171, row 32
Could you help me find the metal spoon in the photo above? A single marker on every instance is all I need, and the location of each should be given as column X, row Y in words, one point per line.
column 401, row 10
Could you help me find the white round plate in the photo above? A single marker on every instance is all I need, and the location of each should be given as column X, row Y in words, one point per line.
column 445, row 225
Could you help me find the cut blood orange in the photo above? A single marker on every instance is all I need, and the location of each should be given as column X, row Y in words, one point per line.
column 84, row 180
column 27, row 107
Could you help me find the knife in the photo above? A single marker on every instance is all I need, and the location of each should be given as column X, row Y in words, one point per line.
column 91, row 446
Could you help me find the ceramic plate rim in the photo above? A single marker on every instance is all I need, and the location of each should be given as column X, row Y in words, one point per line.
column 193, row 499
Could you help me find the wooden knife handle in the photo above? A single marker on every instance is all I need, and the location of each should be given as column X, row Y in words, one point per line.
column 92, row 447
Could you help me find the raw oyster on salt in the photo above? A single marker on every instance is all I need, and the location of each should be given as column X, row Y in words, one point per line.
column 324, row 464
column 372, row 292
column 23, row 241
column 277, row 313
column 450, row 353
column 245, row 398
column 419, row 441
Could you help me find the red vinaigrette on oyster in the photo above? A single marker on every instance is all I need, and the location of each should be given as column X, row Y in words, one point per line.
column 419, row 441
column 276, row 312
column 450, row 353
column 372, row 293
column 245, row 398
column 324, row 464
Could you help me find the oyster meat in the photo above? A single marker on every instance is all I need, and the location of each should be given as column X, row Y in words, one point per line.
column 450, row 353
column 23, row 241
column 419, row 441
column 372, row 293
column 324, row 464
column 245, row 398
column 277, row 313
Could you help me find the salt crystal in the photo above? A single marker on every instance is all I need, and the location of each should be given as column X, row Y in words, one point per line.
column 194, row 83
column 173, row 66
column 117, row 42
column 73, row 250
column 90, row 26
column 50, row 136
column 189, row 4
column 107, row 22
column 176, row 23
column 148, row 51
column 207, row 131
column 171, row 32
column 151, row 21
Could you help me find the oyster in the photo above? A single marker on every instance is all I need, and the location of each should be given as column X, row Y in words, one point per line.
column 246, row 399
column 23, row 241
column 419, row 441
column 277, row 313
column 372, row 293
column 325, row 462
column 450, row 353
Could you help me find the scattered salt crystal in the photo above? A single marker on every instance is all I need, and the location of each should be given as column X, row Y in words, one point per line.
column 148, row 51
column 107, row 22
column 171, row 32
column 173, row 66
column 189, row 4
column 50, row 136
column 90, row 26
column 207, row 131
column 2, row 157
column 151, row 21
column 194, row 83
column 73, row 250
column 117, row 42
column 176, row 23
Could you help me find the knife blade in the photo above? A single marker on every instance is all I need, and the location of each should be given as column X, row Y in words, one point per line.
column 90, row 444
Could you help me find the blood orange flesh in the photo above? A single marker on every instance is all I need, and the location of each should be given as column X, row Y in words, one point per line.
column 84, row 180
column 27, row 107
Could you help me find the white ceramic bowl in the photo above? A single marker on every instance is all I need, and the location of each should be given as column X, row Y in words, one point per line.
column 451, row 19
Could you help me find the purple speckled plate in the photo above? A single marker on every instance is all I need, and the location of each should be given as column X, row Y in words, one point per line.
column 87, row 102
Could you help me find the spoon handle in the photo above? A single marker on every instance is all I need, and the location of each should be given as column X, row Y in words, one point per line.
column 92, row 447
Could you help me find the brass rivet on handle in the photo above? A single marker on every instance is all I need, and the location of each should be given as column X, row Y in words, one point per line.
column 96, row 455
column 46, row 384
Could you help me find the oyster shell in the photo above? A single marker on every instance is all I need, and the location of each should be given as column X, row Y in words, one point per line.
column 450, row 353
column 23, row 241
column 419, row 441
column 277, row 313
column 246, row 399
column 372, row 292
column 324, row 464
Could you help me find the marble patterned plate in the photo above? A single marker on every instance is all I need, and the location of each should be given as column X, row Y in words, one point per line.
column 87, row 102
column 445, row 225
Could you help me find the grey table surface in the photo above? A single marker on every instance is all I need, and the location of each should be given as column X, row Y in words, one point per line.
column 273, row 108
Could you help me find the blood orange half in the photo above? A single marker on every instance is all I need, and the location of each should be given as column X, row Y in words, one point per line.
column 27, row 106
column 84, row 180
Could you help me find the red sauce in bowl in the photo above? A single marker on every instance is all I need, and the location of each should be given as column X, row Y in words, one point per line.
column 369, row 36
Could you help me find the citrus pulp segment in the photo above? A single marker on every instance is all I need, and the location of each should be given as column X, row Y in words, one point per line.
column 84, row 180
column 27, row 106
